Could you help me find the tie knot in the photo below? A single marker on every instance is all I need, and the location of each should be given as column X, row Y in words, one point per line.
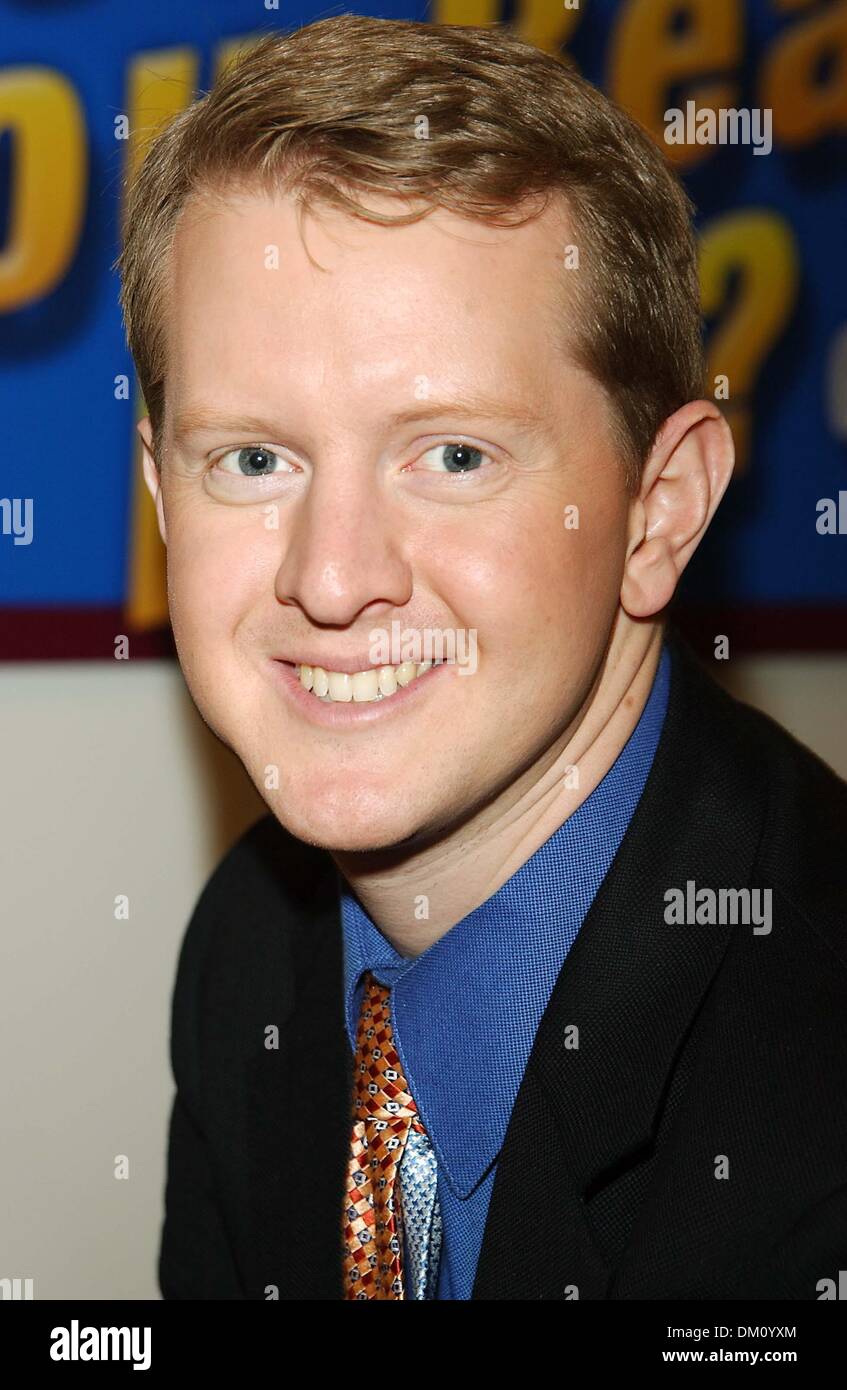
column 381, row 1092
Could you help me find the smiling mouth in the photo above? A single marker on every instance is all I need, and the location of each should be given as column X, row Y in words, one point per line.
column 362, row 687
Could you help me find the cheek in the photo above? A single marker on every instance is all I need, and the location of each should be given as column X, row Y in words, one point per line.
column 215, row 573
column 540, row 589
column 538, row 573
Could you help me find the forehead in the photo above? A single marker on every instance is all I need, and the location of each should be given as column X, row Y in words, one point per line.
column 261, row 299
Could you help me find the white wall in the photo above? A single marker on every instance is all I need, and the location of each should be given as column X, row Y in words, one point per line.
column 806, row 694
column 113, row 785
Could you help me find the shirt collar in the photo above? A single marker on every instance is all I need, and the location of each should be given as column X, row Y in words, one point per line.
column 466, row 1010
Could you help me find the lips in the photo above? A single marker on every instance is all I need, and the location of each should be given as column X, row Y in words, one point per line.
column 351, row 714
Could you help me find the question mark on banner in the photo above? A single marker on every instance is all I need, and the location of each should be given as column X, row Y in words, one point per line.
column 759, row 247
column 836, row 384
column 547, row 26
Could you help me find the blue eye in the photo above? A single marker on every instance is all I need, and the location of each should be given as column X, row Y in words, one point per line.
column 254, row 461
column 459, row 458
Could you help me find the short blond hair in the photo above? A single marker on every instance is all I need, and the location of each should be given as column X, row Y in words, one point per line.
column 332, row 110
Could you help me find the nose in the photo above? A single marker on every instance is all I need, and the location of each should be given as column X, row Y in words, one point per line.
column 343, row 545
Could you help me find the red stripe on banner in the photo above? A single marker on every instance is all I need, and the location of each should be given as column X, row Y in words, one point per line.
column 82, row 634
column 770, row 628
column 76, row 634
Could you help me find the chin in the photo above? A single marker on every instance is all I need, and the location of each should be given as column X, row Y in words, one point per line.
column 347, row 829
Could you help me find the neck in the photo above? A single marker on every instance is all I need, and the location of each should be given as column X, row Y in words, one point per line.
column 468, row 863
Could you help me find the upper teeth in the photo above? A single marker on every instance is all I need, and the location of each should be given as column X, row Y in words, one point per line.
column 373, row 684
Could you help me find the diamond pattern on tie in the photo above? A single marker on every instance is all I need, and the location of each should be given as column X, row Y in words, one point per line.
column 384, row 1114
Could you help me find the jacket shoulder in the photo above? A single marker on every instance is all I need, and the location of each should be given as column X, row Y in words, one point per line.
column 241, row 950
column 802, row 849
column 265, row 865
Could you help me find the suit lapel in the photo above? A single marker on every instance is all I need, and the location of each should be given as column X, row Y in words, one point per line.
column 298, row 1116
column 631, row 985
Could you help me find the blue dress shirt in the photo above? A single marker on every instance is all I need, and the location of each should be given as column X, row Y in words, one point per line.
column 466, row 1010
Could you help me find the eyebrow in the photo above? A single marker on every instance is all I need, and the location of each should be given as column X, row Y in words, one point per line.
column 199, row 419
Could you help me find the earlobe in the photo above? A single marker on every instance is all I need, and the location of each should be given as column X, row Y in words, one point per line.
column 649, row 580
column 152, row 477
column 684, row 479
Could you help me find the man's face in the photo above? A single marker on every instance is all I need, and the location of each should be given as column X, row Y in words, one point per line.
column 392, row 436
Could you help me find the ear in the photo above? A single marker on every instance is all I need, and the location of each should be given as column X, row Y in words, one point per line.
column 684, row 479
column 152, row 476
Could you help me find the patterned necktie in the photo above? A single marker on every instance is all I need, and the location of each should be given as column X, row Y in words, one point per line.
column 391, row 1158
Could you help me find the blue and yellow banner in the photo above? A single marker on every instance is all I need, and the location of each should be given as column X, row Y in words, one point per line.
column 757, row 96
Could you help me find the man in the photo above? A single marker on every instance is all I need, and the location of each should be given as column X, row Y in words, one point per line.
column 532, row 985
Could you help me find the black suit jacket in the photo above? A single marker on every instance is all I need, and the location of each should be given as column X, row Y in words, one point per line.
column 693, row 1146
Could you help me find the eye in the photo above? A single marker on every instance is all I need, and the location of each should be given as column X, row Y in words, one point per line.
column 252, row 461
column 455, row 457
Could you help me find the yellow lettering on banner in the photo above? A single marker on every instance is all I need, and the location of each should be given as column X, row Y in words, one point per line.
column 805, row 109
column 546, row 24
column 465, row 11
column 760, row 247
column 48, row 182
column 159, row 85
column 229, row 49
column 649, row 62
